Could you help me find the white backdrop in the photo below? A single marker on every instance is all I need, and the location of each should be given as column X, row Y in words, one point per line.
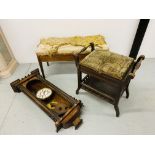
column 24, row 35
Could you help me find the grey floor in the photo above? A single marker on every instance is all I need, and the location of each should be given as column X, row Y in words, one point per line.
column 19, row 115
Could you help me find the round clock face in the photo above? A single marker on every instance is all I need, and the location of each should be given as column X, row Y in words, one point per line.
column 44, row 93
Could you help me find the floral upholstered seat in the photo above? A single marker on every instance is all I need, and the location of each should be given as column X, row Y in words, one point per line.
column 109, row 63
column 70, row 45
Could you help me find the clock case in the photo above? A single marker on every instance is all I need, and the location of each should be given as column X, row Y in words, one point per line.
column 33, row 82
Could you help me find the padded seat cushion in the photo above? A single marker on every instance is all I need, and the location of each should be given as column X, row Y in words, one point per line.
column 70, row 45
column 108, row 63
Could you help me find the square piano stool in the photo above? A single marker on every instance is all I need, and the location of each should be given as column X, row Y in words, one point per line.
column 108, row 74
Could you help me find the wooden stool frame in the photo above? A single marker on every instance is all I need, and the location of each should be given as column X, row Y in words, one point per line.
column 112, row 89
column 54, row 58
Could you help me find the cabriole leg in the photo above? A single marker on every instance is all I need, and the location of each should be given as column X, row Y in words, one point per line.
column 117, row 110
column 127, row 92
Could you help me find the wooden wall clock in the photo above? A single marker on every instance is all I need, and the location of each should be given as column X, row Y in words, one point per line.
column 63, row 109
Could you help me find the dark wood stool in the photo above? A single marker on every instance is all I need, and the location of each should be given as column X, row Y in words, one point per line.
column 104, row 81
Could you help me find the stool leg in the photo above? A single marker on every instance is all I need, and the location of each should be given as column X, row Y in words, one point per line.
column 79, row 76
column 117, row 110
column 47, row 63
column 127, row 92
column 41, row 67
column 116, row 105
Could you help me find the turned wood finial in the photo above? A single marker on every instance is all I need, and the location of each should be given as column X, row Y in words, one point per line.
column 142, row 57
column 92, row 46
column 132, row 75
column 136, row 66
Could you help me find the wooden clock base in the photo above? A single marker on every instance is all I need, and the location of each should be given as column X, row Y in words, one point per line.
column 63, row 109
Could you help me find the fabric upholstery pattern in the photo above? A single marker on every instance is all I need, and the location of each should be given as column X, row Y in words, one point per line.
column 109, row 63
column 70, row 45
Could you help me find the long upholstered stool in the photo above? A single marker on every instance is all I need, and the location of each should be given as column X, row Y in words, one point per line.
column 108, row 74
column 63, row 49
